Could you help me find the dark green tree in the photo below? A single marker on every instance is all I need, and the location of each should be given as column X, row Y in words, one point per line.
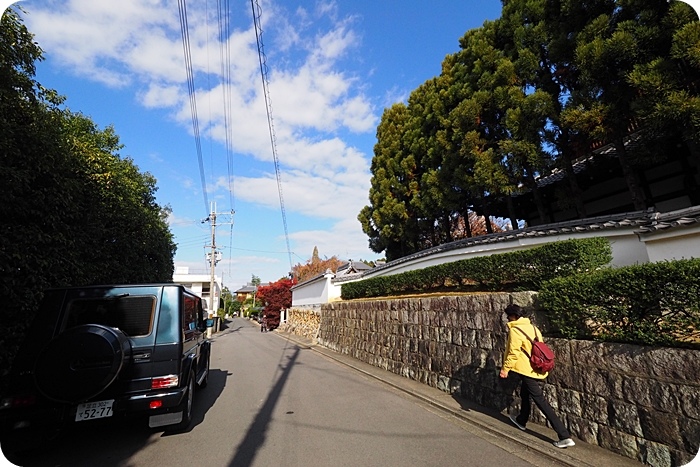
column 540, row 36
column 492, row 138
column 528, row 94
column 667, row 100
column 74, row 212
column 389, row 220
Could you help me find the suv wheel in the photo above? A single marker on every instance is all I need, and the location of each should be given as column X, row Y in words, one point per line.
column 186, row 405
column 205, row 379
column 81, row 362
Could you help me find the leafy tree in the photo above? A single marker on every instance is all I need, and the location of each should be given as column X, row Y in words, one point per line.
column 315, row 266
column 438, row 158
column 540, row 38
column 29, row 161
column 119, row 216
column 74, row 211
column 235, row 307
column 494, row 129
column 616, row 53
column 230, row 301
column 529, row 94
column 388, row 220
column 667, row 86
column 276, row 297
column 607, row 51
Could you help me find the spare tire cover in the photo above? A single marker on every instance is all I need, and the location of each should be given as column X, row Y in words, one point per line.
column 81, row 362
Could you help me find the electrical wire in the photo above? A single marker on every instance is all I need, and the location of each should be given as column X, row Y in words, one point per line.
column 257, row 13
column 184, row 30
column 225, row 53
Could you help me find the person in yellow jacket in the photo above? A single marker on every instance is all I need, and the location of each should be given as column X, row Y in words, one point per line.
column 515, row 359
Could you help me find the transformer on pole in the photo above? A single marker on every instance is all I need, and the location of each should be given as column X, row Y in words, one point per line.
column 214, row 256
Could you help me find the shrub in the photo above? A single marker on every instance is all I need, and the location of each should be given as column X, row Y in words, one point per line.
column 523, row 269
column 653, row 303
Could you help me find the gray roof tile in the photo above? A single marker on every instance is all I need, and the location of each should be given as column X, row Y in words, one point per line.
column 641, row 219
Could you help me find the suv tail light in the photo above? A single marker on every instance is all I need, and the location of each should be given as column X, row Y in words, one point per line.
column 163, row 382
column 17, row 401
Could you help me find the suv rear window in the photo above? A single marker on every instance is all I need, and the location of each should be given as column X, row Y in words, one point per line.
column 133, row 315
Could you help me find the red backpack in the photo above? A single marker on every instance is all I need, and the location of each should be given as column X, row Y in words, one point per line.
column 542, row 358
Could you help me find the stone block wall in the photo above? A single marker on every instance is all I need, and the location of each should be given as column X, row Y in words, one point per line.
column 302, row 322
column 641, row 402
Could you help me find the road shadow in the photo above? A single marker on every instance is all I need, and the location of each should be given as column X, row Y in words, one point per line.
column 482, row 390
column 204, row 399
column 231, row 326
column 257, row 432
column 108, row 443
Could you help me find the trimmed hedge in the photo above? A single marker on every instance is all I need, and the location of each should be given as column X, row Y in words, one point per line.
column 651, row 304
column 523, row 269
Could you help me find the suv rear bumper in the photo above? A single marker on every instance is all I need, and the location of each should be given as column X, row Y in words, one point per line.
column 47, row 415
column 142, row 402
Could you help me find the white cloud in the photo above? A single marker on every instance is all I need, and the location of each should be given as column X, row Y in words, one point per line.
column 345, row 240
column 100, row 39
column 157, row 96
column 314, row 196
column 316, row 99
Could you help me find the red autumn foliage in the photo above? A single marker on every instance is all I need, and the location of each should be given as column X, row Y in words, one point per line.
column 275, row 297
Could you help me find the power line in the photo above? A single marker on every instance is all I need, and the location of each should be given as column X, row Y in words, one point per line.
column 257, row 12
column 225, row 57
column 184, row 30
column 225, row 54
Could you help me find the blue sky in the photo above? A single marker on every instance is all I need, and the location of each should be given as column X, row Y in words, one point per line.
column 334, row 66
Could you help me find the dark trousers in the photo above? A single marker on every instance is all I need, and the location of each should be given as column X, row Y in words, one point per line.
column 531, row 388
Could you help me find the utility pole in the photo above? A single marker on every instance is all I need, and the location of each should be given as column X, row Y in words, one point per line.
column 215, row 255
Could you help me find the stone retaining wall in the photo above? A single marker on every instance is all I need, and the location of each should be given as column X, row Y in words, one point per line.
column 302, row 322
column 639, row 401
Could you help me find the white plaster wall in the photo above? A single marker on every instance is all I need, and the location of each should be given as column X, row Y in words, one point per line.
column 195, row 283
column 333, row 291
column 312, row 293
column 684, row 244
column 626, row 247
column 628, row 250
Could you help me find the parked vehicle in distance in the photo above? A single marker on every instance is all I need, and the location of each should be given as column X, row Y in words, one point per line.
column 101, row 352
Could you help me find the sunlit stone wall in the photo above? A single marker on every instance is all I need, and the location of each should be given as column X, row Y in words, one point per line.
column 642, row 402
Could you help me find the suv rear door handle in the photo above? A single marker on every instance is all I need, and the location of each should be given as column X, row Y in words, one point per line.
column 139, row 357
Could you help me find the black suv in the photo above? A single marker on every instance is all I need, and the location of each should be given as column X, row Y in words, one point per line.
column 107, row 351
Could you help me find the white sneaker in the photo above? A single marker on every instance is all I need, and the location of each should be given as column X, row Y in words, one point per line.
column 512, row 419
column 564, row 443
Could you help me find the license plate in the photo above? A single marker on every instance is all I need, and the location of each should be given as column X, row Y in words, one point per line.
column 93, row 410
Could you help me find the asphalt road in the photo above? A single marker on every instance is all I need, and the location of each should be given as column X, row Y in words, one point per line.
column 271, row 402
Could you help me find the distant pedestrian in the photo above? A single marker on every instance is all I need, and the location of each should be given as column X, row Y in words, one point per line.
column 516, row 358
column 263, row 324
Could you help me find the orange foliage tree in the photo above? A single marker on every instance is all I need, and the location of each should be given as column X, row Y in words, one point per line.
column 315, row 266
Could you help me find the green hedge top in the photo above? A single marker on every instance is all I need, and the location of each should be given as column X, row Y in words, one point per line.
column 522, row 269
column 651, row 304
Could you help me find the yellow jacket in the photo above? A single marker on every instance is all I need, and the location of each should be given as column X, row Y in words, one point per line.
column 514, row 359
